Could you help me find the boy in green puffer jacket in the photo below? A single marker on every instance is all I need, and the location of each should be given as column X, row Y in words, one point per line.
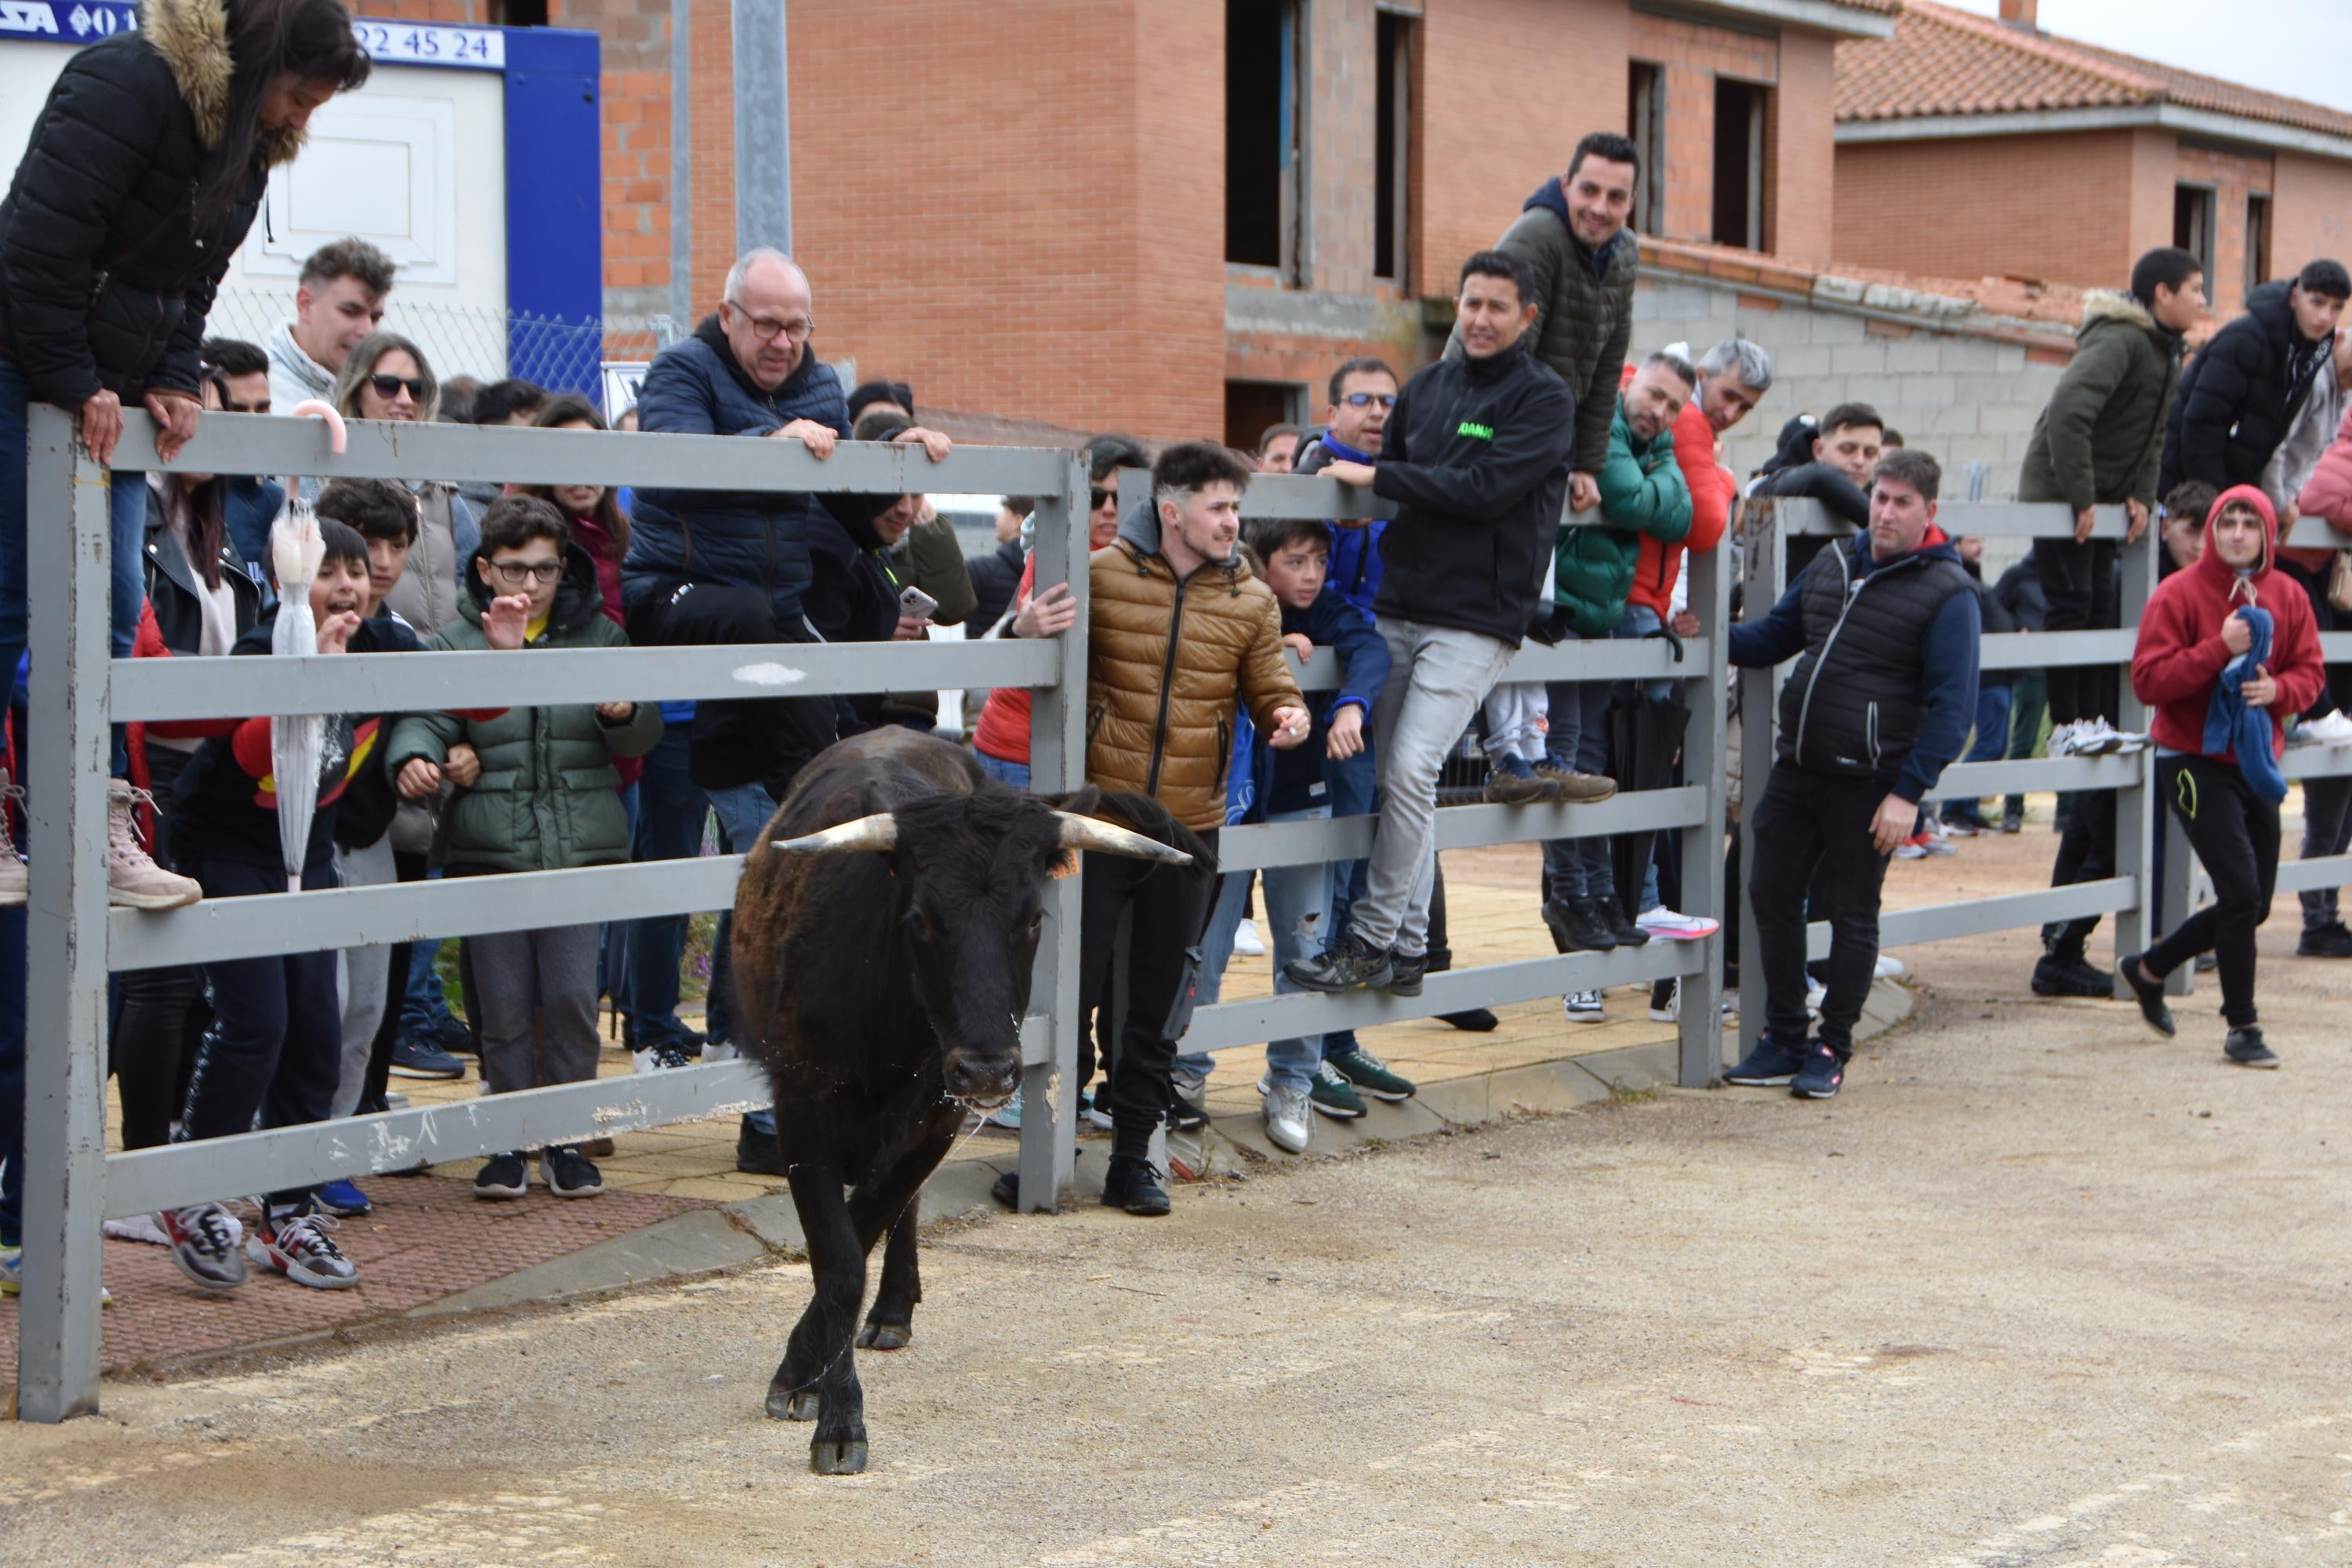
column 536, row 791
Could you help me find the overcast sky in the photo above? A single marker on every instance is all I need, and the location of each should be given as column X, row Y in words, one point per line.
column 2301, row 48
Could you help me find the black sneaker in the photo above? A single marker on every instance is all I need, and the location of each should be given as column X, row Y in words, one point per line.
column 413, row 1057
column 1185, row 1115
column 2070, row 975
column 2150, row 995
column 1611, row 915
column 1133, row 1186
column 1768, row 1065
column 1573, row 929
column 1349, row 963
column 453, row 1037
column 504, row 1175
column 1821, row 1076
column 569, row 1173
column 2246, row 1048
column 2013, row 821
column 2330, row 941
column 1406, row 971
column 1471, row 1020
column 757, row 1154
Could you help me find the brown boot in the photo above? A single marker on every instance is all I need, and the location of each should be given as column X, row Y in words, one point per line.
column 1572, row 786
column 13, row 880
column 133, row 880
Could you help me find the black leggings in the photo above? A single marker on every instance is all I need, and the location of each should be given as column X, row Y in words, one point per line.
column 2235, row 833
column 1134, row 979
column 158, row 1013
column 2079, row 581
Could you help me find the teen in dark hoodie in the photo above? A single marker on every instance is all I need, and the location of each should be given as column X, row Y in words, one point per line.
column 2208, row 699
column 1884, row 626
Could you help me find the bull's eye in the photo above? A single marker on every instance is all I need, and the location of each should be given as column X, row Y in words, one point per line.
column 1036, row 924
column 919, row 922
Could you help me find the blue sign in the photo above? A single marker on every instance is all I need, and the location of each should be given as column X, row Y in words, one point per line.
column 387, row 43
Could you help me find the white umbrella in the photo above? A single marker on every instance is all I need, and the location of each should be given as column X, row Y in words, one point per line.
column 296, row 741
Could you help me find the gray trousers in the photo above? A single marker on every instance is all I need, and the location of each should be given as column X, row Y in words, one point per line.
column 1437, row 679
column 517, row 973
column 363, row 977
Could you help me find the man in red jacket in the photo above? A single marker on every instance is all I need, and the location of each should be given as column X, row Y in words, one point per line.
column 2218, row 733
column 1732, row 379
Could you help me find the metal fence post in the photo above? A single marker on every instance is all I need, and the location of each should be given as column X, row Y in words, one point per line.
column 1057, row 761
column 1701, row 1022
column 2135, row 806
column 64, row 1081
column 1765, row 559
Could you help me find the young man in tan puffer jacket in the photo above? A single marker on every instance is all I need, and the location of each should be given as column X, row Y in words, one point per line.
column 1180, row 632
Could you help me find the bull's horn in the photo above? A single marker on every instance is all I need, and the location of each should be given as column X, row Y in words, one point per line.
column 879, row 831
column 1093, row 833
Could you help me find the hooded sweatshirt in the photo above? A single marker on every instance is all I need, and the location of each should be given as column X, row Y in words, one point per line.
column 2179, row 657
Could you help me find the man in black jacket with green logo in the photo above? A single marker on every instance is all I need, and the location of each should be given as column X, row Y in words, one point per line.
column 1476, row 454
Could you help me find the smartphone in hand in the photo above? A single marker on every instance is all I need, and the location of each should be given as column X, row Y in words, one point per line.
column 913, row 600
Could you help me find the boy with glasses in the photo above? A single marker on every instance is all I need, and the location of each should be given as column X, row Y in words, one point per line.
column 543, row 796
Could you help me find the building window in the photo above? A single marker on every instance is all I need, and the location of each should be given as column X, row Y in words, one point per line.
column 1739, row 163
column 519, row 13
column 1252, row 405
column 1392, row 178
column 1646, row 100
column 2258, row 239
column 2192, row 227
column 1262, row 134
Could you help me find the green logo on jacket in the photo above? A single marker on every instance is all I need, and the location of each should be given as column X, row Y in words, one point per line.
column 1472, row 427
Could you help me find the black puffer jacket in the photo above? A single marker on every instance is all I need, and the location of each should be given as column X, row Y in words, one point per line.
column 106, row 277
column 2239, row 395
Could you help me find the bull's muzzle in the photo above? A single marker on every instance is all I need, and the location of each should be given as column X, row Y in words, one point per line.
column 983, row 1079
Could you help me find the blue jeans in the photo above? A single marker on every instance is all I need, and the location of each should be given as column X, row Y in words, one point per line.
column 1004, row 773
column 1299, row 921
column 671, row 812
column 424, row 1002
column 1355, row 791
column 127, row 504
column 743, row 811
column 1990, row 745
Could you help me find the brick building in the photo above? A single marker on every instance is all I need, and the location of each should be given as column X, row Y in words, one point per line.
column 1173, row 216
column 1967, row 147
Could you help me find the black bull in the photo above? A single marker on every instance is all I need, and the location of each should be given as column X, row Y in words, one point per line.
column 885, row 930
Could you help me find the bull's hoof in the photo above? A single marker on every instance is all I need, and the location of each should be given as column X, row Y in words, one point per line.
column 791, row 1403
column 885, row 1336
column 844, row 1457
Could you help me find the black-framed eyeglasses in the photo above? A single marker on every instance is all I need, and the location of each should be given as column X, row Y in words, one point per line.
column 515, row 573
column 766, row 326
column 388, row 386
column 1360, row 399
column 219, row 383
column 1099, row 499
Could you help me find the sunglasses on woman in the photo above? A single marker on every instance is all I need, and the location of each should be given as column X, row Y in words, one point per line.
column 388, row 386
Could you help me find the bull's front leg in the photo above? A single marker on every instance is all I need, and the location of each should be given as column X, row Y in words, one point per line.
column 890, row 1322
column 837, row 1262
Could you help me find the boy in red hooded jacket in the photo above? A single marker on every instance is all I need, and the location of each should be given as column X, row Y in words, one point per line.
column 2195, row 628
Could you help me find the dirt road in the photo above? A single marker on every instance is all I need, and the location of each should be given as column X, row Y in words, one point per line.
column 2039, row 1289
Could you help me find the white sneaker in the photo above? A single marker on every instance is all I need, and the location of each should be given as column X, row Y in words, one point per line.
column 1730, row 1002
column 719, row 1051
column 1583, row 1007
column 2332, row 729
column 2085, row 738
column 1912, row 848
column 1288, row 1121
column 16, row 882
column 659, row 1058
column 1814, row 996
column 1939, row 841
column 137, row 1228
column 1672, row 1012
column 1675, row 926
column 1247, row 943
column 1891, row 967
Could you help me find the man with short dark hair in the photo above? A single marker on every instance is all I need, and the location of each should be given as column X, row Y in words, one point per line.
column 1841, row 454
column 1572, row 233
column 1877, row 707
column 1169, row 594
column 513, row 401
column 1277, row 446
column 338, row 300
column 888, row 395
column 1475, row 454
column 2245, row 386
column 239, row 374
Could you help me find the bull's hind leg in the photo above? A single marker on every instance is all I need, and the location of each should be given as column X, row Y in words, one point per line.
column 890, row 1322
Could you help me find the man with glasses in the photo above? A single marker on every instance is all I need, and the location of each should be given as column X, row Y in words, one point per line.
column 710, row 566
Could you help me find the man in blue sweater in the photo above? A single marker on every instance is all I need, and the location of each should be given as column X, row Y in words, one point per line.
column 1884, row 627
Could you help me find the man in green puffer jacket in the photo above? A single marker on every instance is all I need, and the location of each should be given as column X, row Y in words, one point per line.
column 537, row 790
column 1643, row 495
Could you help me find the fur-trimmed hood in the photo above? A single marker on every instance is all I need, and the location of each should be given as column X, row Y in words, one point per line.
column 2107, row 305
column 191, row 37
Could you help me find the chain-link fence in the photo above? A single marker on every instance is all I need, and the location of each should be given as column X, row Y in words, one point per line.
column 480, row 340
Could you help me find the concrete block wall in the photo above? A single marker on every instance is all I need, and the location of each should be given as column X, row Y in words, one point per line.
column 1963, row 397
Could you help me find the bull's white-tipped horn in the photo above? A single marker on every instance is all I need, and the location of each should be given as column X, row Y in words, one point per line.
column 879, row 831
column 1093, row 833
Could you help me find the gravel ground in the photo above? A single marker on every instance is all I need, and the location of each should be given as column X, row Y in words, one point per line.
column 2038, row 1289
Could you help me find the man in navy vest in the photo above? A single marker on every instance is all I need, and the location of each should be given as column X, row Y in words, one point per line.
column 1884, row 626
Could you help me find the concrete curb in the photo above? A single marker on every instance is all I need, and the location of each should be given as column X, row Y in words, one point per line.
column 701, row 1241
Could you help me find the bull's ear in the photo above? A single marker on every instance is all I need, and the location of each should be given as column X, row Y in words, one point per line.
column 878, row 832
column 1085, row 800
column 1093, row 833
